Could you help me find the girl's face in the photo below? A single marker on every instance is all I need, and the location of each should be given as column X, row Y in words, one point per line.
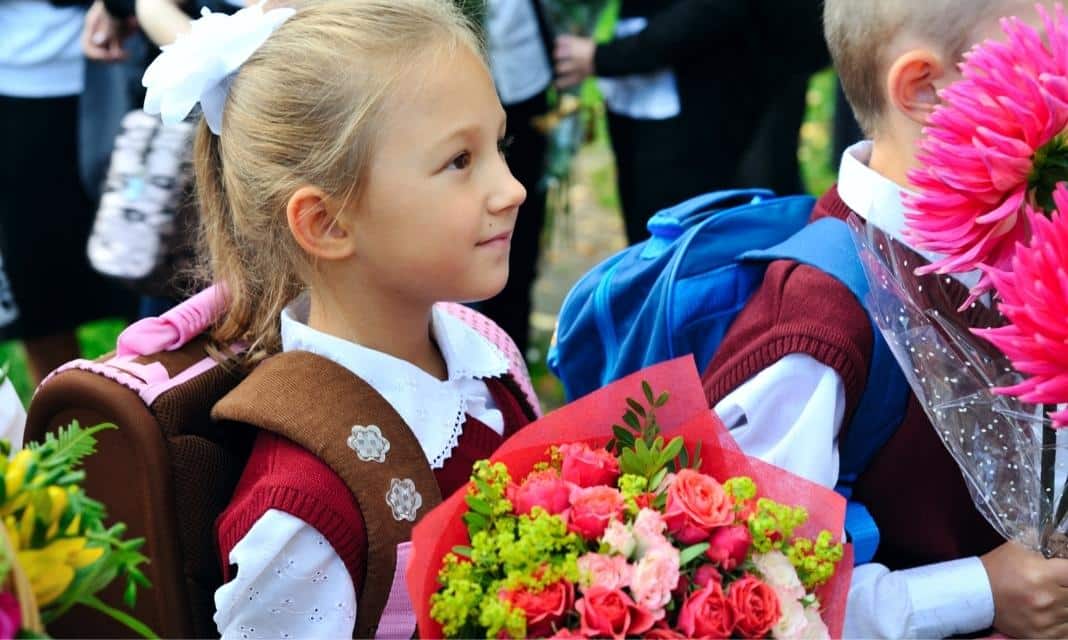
column 435, row 219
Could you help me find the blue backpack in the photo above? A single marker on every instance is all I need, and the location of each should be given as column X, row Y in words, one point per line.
column 679, row 291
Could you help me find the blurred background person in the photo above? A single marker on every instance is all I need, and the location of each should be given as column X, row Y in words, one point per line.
column 518, row 41
column 687, row 85
column 45, row 211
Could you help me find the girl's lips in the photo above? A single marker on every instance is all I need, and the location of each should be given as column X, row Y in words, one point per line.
column 502, row 237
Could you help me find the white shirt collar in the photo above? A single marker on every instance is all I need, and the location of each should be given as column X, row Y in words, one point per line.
column 435, row 410
column 879, row 201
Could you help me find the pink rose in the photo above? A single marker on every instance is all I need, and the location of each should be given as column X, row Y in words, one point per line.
column 611, row 613
column 696, row 504
column 755, row 606
column 542, row 608
column 655, row 576
column 728, row 546
column 649, row 528
column 619, row 538
column 566, row 634
column 597, row 570
column 545, row 489
column 706, row 614
column 10, row 615
column 588, row 467
column 705, row 574
column 592, row 509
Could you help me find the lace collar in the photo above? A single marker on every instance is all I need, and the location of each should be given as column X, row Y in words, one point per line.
column 435, row 410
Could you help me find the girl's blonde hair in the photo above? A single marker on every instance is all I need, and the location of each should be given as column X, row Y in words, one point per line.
column 303, row 110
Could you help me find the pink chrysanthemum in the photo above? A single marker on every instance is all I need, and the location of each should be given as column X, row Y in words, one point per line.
column 996, row 142
column 1034, row 298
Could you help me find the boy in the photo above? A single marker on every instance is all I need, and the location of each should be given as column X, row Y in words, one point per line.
column 791, row 370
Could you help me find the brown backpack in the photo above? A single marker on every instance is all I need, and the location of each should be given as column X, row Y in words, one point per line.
column 169, row 470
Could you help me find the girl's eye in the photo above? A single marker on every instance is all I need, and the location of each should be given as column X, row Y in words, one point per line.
column 504, row 144
column 461, row 161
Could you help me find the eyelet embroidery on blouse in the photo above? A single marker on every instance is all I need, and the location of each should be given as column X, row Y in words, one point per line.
column 369, row 443
column 403, row 499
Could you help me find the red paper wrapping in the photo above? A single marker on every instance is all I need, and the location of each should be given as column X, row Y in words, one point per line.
column 589, row 420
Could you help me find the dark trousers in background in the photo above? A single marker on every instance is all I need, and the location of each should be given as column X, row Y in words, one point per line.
column 771, row 162
column 658, row 165
column 526, row 158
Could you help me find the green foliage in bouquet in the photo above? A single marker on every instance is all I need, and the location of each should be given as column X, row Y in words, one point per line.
column 58, row 533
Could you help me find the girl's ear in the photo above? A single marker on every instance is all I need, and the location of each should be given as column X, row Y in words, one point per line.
column 316, row 224
column 912, row 84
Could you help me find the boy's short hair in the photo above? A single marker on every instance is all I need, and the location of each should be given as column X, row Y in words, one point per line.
column 859, row 31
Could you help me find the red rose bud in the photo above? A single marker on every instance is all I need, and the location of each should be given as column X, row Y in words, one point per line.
column 728, row 546
column 542, row 608
column 545, row 489
column 592, row 509
column 610, row 613
column 644, row 500
column 707, row 574
column 756, row 607
column 706, row 614
column 588, row 467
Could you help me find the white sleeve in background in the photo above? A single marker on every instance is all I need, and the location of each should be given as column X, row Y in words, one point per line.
column 790, row 415
column 12, row 416
column 289, row 584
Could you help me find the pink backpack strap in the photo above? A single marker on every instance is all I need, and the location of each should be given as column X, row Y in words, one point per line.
column 489, row 330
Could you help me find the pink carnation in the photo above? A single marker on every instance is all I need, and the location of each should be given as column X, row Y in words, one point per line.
column 649, row 528
column 993, row 144
column 655, row 576
column 598, row 570
column 619, row 538
column 588, row 467
column 1034, row 298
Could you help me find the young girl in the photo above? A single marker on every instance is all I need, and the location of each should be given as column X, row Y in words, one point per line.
column 351, row 176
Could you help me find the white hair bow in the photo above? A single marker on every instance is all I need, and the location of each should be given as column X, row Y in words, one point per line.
column 200, row 65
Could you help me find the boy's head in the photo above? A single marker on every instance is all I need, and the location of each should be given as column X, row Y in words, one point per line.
column 893, row 56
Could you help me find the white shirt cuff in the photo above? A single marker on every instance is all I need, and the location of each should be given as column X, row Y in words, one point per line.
column 950, row 598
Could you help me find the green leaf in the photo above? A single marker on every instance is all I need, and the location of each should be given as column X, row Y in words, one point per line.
column 610, row 447
column 478, row 505
column 638, row 408
column 648, row 391
column 462, row 550
column 672, row 450
column 662, row 400
column 624, row 436
column 475, row 522
column 632, row 421
column 654, row 483
column 696, row 456
column 684, row 459
column 692, row 552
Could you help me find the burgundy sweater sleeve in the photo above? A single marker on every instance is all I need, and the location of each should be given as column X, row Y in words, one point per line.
column 797, row 309
column 282, row 475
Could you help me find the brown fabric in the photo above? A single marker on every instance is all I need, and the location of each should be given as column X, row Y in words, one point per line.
column 166, row 472
column 324, row 402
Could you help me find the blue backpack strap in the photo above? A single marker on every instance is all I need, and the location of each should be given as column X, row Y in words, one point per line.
column 827, row 244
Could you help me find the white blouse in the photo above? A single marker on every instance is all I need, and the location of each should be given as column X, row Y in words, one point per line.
column 799, row 404
column 290, row 583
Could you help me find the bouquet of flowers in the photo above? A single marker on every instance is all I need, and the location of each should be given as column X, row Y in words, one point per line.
column 657, row 527
column 978, row 323
column 55, row 551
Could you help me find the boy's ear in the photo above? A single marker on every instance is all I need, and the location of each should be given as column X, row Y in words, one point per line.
column 316, row 225
column 912, row 84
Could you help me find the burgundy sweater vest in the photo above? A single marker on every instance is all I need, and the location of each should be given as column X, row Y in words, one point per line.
column 283, row 475
column 913, row 487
